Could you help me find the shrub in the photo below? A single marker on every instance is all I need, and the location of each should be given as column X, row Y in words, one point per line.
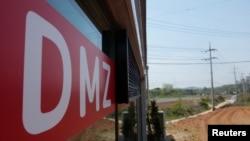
column 155, row 122
column 206, row 99
column 129, row 124
column 178, row 109
column 243, row 100
column 204, row 105
column 221, row 98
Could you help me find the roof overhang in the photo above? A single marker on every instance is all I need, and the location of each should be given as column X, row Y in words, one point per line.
column 119, row 14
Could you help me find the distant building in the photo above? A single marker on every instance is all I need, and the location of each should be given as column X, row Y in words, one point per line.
column 167, row 87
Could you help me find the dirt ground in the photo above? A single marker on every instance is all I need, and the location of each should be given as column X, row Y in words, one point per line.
column 103, row 130
column 188, row 129
column 195, row 128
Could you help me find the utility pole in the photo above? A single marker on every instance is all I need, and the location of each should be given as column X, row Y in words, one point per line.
column 235, row 81
column 243, row 83
column 211, row 68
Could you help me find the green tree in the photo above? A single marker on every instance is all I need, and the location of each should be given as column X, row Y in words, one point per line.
column 155, row 120
column 129, row 122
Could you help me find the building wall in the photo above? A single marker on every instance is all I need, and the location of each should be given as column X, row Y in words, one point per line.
column 58, row 65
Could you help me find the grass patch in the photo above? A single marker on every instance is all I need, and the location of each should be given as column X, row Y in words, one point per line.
column 180, row 110
column 243, row 100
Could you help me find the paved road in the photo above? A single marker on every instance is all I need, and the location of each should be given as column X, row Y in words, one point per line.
column 234, row 97
column 169, row 99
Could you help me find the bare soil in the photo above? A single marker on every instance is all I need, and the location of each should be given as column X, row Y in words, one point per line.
column 188, row 129
column 103, row 130
column 195, row 128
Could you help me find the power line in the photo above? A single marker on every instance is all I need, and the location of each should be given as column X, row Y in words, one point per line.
column 198, row 7
column 201, row 29
column 206, row 5
column 164, row 63
column 196, row 30
column 172, row 58
column 223, row 59
column 151, row 46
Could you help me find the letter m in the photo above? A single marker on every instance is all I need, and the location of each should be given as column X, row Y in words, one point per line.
column 85, row 82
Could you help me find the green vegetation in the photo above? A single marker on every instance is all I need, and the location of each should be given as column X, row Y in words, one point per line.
column 154, row 122
column 158, row 92
column 129, row 124
column 204, row 103
column 120, row 112
column 169, row 91
column 243, row 100
column 219, row 99
column 180, row 110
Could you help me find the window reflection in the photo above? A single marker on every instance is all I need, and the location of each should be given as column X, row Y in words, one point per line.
column 73, row 13
column 129, row 127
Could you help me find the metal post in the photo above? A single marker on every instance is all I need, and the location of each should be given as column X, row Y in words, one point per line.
column 143, row 109
column 212, row 83
column 235, row 82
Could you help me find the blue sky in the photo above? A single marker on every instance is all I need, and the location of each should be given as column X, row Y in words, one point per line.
column 179, row 32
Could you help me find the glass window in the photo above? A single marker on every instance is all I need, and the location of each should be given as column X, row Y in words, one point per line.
column 73, row 13
column 129, row 127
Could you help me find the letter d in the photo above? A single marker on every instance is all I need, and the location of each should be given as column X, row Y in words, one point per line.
column 34, row 120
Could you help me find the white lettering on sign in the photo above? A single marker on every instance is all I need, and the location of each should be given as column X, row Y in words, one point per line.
column 85, row 81
column 34, row 120
column 94, row 88
column 106, row 102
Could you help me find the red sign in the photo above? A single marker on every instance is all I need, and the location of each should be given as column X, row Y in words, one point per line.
column 54, row 81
